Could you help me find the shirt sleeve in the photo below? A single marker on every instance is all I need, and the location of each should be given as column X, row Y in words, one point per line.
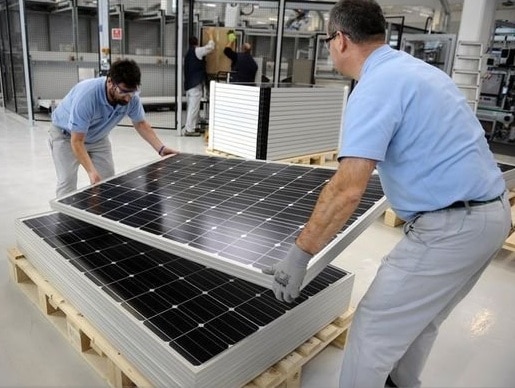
column 201, row 52
column 229, row 52
column 136, row 112
column 370, row 122
column 82, row 111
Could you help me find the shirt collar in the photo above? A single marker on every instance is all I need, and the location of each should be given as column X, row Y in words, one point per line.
column 375, row 57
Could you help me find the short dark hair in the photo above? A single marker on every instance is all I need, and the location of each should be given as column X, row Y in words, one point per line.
column 193, row 41
column 126, row 71
column 360, row 20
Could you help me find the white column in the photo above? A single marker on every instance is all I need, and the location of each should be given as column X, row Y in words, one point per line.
column 477, row 21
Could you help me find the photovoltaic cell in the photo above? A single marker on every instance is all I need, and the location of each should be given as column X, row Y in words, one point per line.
column 244, row 212
column 198, row 311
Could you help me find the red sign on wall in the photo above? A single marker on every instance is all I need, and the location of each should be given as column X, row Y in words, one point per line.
column 116, row 33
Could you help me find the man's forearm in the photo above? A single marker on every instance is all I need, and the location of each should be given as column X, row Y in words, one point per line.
column 147, row 132
column 80, row 152
column 336, row 203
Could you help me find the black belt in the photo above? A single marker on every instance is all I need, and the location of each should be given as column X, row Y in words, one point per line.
column 461, row 204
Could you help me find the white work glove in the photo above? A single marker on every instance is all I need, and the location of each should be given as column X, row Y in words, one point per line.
column 289, row 274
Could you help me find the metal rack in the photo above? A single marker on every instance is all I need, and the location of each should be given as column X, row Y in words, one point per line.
column 466, row 71
column 435, row 49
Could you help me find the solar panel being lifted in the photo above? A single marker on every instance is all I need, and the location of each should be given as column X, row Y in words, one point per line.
column 235, row 215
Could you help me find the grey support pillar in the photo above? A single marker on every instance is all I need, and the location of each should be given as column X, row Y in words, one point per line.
column 26, row 67
column 179, row 64
column 278, row 49
column 103, row 35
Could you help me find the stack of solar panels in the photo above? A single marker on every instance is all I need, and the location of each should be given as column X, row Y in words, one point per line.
column 508, row 171
column 179, row 323
column 166, row 260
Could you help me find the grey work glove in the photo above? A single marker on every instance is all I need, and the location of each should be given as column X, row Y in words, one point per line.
column 289, row 274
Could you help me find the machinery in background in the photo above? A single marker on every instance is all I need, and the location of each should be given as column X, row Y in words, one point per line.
column 497, row 98
column 435, row 49
column 496, row 107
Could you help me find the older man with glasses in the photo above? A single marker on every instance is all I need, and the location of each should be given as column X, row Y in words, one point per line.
column 81, row 124
column 408, row 119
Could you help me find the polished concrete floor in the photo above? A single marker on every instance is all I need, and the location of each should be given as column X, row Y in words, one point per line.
column 475, row 348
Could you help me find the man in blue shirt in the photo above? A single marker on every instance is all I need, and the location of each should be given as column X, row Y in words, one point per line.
column 81, row 124
column 409, row 120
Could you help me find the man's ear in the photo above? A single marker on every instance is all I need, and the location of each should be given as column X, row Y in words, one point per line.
column 342, row 42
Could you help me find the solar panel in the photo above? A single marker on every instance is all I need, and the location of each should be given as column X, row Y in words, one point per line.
column 197, row 311
column 505, row 167
column 508, row 171
column 236, row 215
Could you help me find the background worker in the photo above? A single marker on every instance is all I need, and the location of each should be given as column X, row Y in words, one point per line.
column 408, row 119
column 243, row 66
column 81, row 124
column 194, row 79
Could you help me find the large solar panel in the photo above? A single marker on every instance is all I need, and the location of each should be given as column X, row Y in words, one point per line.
column 236, row 215
column 196, row 312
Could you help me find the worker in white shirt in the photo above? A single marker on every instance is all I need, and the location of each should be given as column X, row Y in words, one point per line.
column 195, row 77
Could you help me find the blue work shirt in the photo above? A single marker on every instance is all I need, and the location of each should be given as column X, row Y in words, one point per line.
column 85, row 109
column 412, row 119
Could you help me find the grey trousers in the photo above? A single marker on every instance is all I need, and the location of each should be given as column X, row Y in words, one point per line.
column 67, row 165
column 417, row 285
column 194, row 96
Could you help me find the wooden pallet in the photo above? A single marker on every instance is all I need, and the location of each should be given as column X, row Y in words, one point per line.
column 391, row 219
column 116, row 369
column 287, row 373
column 87, row 340
column 213, row 152
column 318, row 159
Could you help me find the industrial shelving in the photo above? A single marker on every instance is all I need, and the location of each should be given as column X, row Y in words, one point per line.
column 466, row 71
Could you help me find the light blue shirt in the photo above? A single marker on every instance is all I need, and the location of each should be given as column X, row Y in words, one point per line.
column 411, row 118
column 85, row 109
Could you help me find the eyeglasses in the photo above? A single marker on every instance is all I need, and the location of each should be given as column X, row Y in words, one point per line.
column 330, row 38
column 124, row 92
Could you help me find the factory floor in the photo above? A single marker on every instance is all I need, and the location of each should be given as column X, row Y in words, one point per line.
column 475, row 348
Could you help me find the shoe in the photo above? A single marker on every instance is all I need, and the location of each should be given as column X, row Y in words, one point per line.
column 191, row 134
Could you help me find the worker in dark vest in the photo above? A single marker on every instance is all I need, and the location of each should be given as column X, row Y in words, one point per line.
column 194, row 80
column 243, row 66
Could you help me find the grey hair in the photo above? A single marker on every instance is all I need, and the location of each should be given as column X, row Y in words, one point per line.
column 361, row 20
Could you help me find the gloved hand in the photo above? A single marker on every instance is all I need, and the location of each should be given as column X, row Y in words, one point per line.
column 289, row 274
column 231, row 36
